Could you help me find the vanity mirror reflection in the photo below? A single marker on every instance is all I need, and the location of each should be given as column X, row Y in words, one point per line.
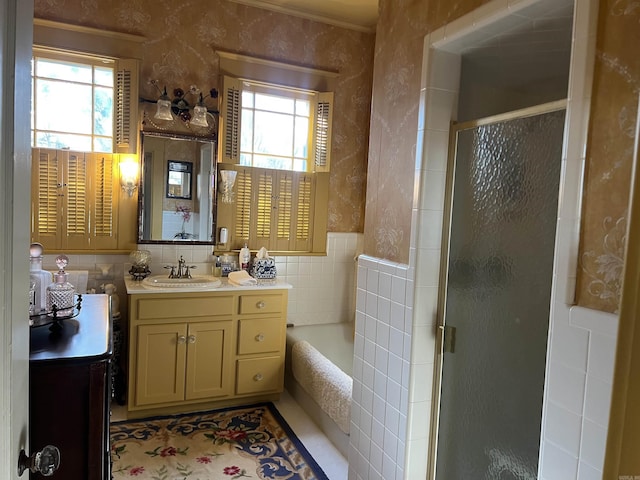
column 177, row 189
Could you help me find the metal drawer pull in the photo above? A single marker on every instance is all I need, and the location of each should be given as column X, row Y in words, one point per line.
column 259, row 337
column 182, row 339
column 192, row 339
column 257, row 377
column 260, row 304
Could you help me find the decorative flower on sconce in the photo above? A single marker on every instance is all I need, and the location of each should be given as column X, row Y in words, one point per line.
column 195, row 113
column 129, row 174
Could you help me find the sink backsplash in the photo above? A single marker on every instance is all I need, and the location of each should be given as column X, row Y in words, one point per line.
column 323, row 287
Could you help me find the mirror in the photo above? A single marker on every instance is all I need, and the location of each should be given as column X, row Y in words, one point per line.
column 179, row 179
column 177, row 190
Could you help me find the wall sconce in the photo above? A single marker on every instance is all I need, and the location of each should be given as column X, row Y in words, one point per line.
column 180, row 107
column 227, row 179
column 129, row 174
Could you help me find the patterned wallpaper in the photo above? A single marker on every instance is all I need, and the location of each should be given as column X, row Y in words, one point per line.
column 610, row 155
column 398, row 53
column 182, row 36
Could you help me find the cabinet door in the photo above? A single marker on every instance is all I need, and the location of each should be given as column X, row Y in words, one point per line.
column 209, row 362
column 161, row 363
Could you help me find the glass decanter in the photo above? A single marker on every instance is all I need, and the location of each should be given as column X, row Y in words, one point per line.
column 61, row 293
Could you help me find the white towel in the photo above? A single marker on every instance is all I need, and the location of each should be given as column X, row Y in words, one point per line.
column 242, row 278
column 329, row 386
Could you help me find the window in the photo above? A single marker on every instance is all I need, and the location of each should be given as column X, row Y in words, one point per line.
column 73, row 102
column 278, row 140
column 271, row 126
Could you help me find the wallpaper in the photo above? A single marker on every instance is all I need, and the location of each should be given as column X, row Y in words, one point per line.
column 398, row 54
column 182, row 36
column 380, row 153
column 609, row 155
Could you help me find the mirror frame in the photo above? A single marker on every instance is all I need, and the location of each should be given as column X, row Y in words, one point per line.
column 141, row 191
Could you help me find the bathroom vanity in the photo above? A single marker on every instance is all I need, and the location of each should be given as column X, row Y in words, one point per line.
column 204, row 345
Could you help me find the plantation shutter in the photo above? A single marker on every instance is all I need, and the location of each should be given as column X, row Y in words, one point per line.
column 302, row 238
column 283, row 211
column 46, row 185
column 264, row 186
column 230, row 109
column 243, row 205
column 126, row 106
column 75, row 209
column 104, row 197
column 322, row 132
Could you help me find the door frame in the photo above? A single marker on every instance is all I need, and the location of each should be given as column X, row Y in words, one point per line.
column 16, row 39
column 456, row 127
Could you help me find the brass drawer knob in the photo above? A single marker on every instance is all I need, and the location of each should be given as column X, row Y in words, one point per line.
column 257, row 377
column 192, row 339
column 260, row 304
column 260, row 338
column 182, row 339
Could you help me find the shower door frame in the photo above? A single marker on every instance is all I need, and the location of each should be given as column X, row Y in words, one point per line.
column 455, row 127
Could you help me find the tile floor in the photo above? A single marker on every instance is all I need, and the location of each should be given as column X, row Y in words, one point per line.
column 335, row 466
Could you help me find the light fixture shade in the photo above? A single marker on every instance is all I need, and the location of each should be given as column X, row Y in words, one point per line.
column 199, row 116
column 129, row 174
column 228, row 179
column 163, row 111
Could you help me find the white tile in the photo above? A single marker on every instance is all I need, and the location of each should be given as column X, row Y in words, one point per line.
column 384, row 285
column 398, row 286
column 594, row 441
column 382, row 359
column 570, row 345
column 436, row 150
column 371, row 307
column 423, row 349
column 597, row 402
column 372, row 281
column 563, row 428
column 602, row 353
column 587, row 472
column 444, row 70
column 441, row 109
column 417, row 460
column 433, row 186
column 396, row 339
column 384, row 310
column 556, row 464
column 428, row 275
column 566, row 387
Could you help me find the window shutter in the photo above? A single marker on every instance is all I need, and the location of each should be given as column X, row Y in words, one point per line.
column 126, row 106
column 284, row 211
column 322, row 132
column 103, row 202
column 264, row 207
column 304, row 213
column 243, row 205
column 46, row 178
column 230, row 109
column 75, row 202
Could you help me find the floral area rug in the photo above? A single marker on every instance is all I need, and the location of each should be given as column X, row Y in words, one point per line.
column 231, row 443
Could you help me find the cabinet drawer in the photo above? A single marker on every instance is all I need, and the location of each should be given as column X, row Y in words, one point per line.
column 259, row 335
column 184, row 307
column 259, row 375
column 260, row 304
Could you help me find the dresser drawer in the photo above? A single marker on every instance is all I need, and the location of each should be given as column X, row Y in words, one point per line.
column 259, row 335
column 257, row 375
column 174, row 306
column 270, row 303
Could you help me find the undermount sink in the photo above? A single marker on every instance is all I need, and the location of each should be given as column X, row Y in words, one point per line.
column 163, row 281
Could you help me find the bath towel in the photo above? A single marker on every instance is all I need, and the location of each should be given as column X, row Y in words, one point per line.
column 241, row 278
column 329, row 386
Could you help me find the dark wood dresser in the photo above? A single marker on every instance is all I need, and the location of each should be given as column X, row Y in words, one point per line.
column 70, row 391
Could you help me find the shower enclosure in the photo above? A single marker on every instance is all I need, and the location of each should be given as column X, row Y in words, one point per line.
column 503, row 192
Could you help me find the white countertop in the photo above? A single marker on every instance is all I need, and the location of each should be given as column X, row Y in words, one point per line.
column 136, row 287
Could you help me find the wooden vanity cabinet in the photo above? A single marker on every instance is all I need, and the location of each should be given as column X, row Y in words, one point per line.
column 209, row 348
column 70, row 391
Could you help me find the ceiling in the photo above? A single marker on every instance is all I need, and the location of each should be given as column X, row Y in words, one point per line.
column 354, row 14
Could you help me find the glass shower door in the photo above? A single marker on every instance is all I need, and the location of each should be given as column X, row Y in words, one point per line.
column 501, row 247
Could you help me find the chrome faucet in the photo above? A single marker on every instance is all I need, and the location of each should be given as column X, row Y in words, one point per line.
column 181, row 271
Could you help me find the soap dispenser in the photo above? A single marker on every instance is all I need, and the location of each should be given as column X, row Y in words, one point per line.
column 39, row 277
column 245, row 258
column 61, row 293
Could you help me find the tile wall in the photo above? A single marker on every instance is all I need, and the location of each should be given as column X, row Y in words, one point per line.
column 582, row 342
column 323, row 286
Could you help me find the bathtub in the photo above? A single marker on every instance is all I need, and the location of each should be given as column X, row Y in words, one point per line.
column 324, row 353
